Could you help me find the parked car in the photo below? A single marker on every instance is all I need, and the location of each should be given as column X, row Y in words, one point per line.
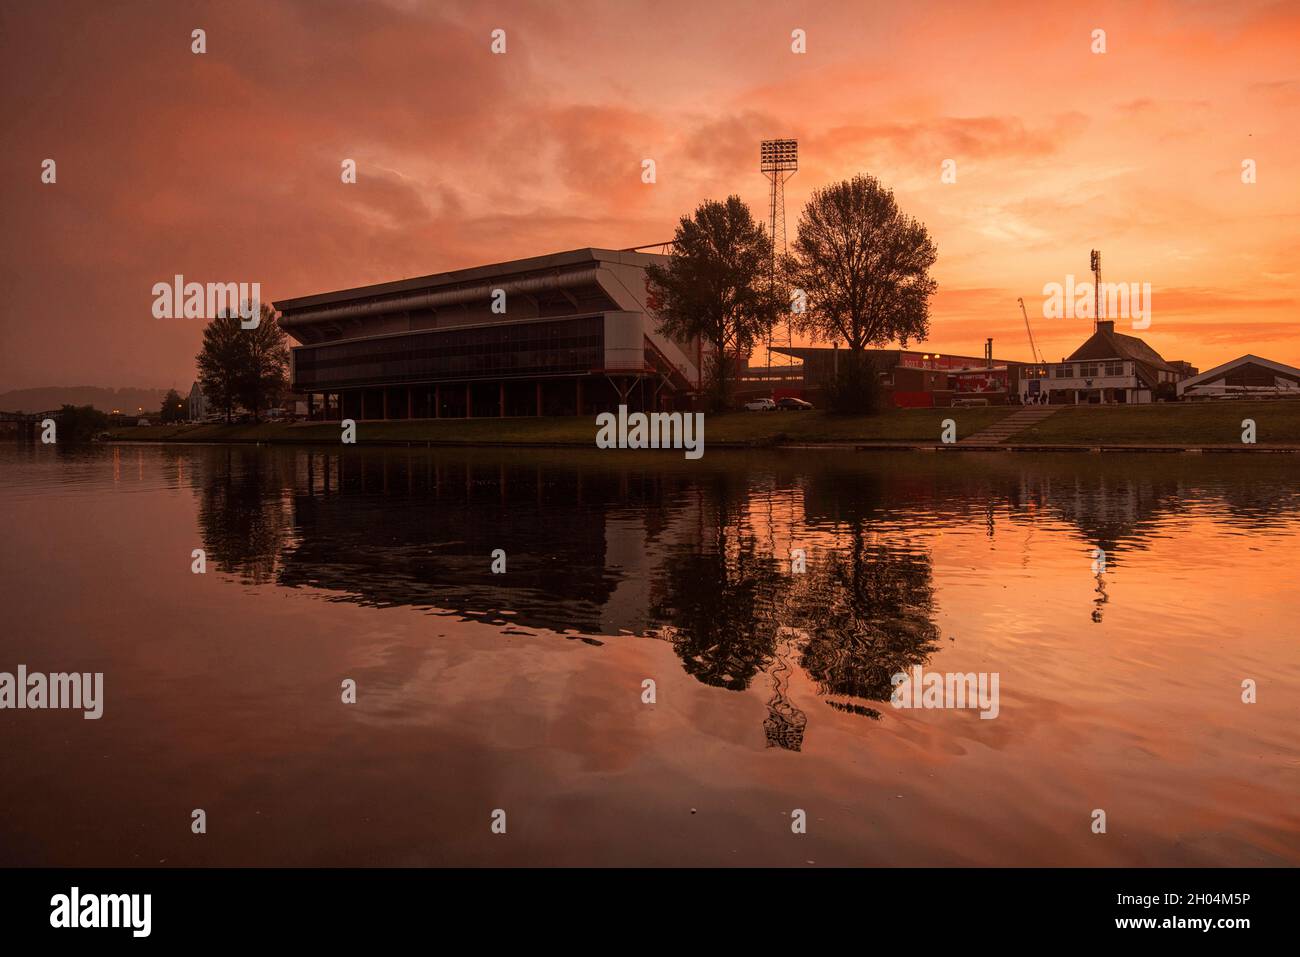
column 142, row 422
column 760, row 405
column 792, row 404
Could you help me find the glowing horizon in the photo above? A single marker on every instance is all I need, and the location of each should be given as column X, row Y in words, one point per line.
column 225, row 166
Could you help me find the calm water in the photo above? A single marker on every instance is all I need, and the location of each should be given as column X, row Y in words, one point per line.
column 523, row 691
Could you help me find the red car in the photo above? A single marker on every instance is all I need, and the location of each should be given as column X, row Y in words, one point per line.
column 793, row 404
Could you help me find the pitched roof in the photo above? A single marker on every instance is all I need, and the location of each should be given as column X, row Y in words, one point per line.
column 1249, row 358
column 1106, row 343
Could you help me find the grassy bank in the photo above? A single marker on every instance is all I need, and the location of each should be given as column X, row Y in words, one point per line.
column 1201, row 424
column 1173, row 423
column 738, row 428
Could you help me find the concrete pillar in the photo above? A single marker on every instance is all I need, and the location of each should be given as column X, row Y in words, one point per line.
column 437, row 401
column 469, row 401
column 311, row 405
column 501, row 399
column 539, row 396
column 410, row 402
column 385, row 402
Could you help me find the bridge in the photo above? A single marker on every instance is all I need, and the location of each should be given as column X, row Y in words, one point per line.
column 26, row 425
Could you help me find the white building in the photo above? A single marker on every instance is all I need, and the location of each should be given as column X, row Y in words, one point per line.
column 198, row 402
column 1109, row 368
column 1248, row 376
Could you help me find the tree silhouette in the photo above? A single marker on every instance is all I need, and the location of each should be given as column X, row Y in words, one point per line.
column 864, row 269
column 715, row 286
column 173, row 407
column 246, row 367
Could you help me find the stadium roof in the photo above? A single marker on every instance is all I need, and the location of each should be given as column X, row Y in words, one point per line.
column 552, row 261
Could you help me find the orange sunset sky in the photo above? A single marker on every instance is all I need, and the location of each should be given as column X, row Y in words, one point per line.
column 226, row 166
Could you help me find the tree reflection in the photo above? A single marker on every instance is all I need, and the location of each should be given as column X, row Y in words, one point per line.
column 857, row 616
column 720, row 600
column 867, row 611
column 243, row 515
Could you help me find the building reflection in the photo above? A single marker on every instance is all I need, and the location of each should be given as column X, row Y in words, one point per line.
column 695, row 555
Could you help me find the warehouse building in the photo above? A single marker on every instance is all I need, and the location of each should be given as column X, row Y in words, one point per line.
column 564, row 334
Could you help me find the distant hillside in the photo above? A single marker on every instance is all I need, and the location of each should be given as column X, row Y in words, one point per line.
column 106, row 400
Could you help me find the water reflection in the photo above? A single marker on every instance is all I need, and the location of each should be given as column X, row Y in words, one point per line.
column 696, row 556
column 243, row 512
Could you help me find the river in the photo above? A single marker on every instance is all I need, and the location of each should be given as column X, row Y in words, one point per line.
column 674, row 662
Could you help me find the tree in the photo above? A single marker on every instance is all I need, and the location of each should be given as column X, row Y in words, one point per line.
column 173, row 407
column 864, row 268
column 221, row 362
column 715, row 286
column 266, row 365
column 80, row 423
column 246, row 367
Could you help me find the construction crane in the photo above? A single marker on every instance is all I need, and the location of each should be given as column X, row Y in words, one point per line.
column 1034, row 353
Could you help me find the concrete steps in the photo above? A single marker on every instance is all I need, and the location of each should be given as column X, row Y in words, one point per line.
column 1000, row 431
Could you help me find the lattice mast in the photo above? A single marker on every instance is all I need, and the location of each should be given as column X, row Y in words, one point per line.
column 1095, row 263
column 778, row 160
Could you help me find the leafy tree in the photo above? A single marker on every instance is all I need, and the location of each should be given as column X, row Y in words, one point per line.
column 864, row 268
column 173, row 407
column 221, row 362
column 716, row 286
column 266, row 368
column 244, row 367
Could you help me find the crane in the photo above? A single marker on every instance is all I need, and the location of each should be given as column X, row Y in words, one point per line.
column 1034, row 353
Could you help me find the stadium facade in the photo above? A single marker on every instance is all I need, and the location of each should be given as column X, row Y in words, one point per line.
column 565, row 334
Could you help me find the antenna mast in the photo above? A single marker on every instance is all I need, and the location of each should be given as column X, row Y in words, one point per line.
column 1096, row 288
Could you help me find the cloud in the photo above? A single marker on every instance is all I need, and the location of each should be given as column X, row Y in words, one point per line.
column 226, row 166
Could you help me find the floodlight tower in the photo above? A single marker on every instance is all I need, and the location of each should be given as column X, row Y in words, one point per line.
column 778, row 160
column 1095, row 263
